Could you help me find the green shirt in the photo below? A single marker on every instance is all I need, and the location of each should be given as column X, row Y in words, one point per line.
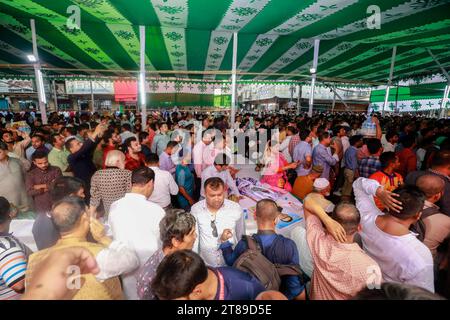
column 58, row 158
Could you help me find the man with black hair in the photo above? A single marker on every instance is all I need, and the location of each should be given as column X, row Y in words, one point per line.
column 276, row 248
column 44, row 231
column 303, row 154
column 351, row 170
column 134, row 220
column 340, row 265
column 165, row 159
column 407, row 156
column 126, row 132
column 12, row 185
column 321, row 155
column 81, row 153
column 37, row 143
column 440, row 166
column 371, row 164
column 396, row 291
column 184, row 276
column 111, row 141
column 387, row 176
column 389, row 141
column 220, row 169
column 58, row 155
column 387, row 237
column 74, row 221
column 161, row 140
column 38, row 180
column 134, row 158
column 164, row 185
column 13, row 257
column 83, row 130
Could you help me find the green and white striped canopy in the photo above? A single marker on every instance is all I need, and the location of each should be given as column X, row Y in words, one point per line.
column 275, row 37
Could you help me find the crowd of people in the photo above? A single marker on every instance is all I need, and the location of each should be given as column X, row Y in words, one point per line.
column 152, row 210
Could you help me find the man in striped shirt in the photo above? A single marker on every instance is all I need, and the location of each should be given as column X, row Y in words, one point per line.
column 13, row 257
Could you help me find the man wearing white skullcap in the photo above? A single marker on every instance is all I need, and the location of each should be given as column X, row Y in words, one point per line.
column 321, row 190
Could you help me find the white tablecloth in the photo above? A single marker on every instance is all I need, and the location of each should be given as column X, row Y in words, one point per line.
column 288, row 202
column 22, row 230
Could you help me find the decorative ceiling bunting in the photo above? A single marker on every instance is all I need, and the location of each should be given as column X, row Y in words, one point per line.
column 301, row 47
column 25, row 32
column 102, row 10
column 218, row 44
column 240, row 13
column 398, row 12
column 262, row 43
column 77, row 36
column 416, row 31
column 385, row 62
column 314, row 13
column 129, row 41
column 237, row 16
column 175, row 41
column 173, row 13
column 330, row 54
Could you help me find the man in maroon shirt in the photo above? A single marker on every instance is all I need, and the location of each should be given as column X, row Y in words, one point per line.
column 407, row 156
column 133, row 156
column 38, row 180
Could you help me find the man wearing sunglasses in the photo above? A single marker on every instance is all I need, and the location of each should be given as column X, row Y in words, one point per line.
column 215, row 214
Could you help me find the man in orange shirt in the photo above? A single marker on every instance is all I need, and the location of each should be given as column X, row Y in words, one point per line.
column 304, row 184
column 387, row 177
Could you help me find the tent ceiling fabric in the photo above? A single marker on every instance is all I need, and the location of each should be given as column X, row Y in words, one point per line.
column 275, row 36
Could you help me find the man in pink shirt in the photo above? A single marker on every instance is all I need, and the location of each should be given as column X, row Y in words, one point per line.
column 341, row 267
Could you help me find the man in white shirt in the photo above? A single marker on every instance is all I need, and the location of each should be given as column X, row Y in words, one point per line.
column 220, row 170
column 135, row 221
column 389, row 141
column 164, row 185
column 387, row 238
column 213, row 216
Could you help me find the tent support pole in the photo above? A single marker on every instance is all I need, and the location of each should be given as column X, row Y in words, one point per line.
column 55, row 97
column 447, row 88
column 340, row 98
column 298, row 99
column 233, row 80
column 442, row 108
column 38, row 75
column 142, row 93
column 391, row 73
column 313, row 76
column 92, row 98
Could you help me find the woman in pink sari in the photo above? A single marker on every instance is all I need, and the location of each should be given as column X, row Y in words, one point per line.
column 275, row 167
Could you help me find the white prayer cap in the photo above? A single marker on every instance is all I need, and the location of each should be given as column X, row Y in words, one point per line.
column 321, row 183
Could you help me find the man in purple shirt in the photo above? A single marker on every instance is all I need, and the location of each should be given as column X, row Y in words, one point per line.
column 322, row 155
column 184, row 275
column 302, row 153
column 165, row 159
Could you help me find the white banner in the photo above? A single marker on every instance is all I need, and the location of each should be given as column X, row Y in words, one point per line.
column 84, row 87
column 12, row 85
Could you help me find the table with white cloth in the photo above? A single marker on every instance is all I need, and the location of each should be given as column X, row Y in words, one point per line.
column 290, row 205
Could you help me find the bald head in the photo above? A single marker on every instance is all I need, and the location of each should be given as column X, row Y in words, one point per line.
column 67, row 212
column 430, row 185
column 348, row 216
column 266, row 210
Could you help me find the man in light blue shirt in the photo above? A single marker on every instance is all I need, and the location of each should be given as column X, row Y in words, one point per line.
column 161, row 140
column 322, row 156
column 302, row 153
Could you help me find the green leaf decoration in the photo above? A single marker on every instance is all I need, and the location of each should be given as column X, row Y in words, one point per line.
column 174, row 36
column 252, row 58
column 73, row 31
column 215, row 56
column 90, row 3
column 202, row 87
column 416, row 105
column 19, row 29
column 244, row 11
column 178, row 87
column 170, row 9
column 264, row 42
column 392, row 106
column 286, row 60
column 127, row 35
column 177, row 54
column 308, row 17
column 303, row 45
column 283, row 30
column 230, row 27
column 179, row 65
column 92, row 50
column 220, row 40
